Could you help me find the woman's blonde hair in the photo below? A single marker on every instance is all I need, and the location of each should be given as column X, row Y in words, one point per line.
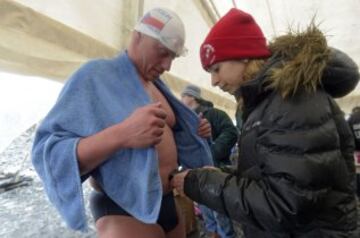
column 252, row 68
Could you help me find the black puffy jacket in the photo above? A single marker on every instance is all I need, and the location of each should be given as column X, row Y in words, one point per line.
column 296, row 169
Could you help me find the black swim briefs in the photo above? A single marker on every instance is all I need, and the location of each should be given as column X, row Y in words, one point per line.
column 101, row 205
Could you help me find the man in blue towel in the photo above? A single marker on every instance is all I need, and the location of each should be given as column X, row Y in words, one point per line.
column 118, row 123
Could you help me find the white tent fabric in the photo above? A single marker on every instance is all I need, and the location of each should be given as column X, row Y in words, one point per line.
column 52, row 38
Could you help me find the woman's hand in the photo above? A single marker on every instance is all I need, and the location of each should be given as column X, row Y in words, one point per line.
column 177, row 182
column 211, row 167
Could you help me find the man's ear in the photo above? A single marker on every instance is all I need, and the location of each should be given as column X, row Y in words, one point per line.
column 137, row 37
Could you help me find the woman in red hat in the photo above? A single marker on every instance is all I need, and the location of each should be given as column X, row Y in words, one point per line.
column 295, row 175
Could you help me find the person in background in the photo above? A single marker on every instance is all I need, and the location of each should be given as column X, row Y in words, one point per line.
column 224, row 133
column 296, row 173
column 116, row 121
column 354, row 122
column 224, row 136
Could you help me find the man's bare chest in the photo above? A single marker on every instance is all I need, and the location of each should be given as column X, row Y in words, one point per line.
column 157, row 96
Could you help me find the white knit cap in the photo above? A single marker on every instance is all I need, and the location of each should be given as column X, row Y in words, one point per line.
column 165, row 26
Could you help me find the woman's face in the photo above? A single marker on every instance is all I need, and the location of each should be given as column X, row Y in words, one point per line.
column 228, row 75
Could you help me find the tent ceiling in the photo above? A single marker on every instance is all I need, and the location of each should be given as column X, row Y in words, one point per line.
column 48, row 38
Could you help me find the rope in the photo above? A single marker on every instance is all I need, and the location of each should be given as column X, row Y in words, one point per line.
column 271, row 17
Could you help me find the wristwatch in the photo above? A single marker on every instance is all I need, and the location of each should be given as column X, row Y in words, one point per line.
column 176, row 171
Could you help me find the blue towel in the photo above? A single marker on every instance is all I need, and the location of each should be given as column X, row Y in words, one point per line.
column 100, row 94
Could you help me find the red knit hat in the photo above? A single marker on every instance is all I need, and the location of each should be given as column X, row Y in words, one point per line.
column 235, row 36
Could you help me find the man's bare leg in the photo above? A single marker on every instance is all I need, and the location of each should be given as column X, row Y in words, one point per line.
column 125, row 227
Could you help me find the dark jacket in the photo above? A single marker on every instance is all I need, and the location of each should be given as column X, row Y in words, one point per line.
column 354, row 122
column 224, row 133
column 296, row 169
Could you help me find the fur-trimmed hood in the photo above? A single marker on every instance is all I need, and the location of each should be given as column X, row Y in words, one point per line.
column 304, row 60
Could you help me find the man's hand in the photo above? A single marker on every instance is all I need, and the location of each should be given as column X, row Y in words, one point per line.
column 204, row 129
column 144, row 127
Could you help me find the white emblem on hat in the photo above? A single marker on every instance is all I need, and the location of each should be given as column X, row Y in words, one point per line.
column 209, row 53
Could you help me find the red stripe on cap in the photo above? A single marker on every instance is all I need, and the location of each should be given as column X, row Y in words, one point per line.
column 153, row 22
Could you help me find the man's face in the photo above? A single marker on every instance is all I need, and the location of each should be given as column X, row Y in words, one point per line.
column 189, row 101
column 154, row 58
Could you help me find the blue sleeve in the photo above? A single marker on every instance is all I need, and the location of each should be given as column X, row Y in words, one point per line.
column 54, row 153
